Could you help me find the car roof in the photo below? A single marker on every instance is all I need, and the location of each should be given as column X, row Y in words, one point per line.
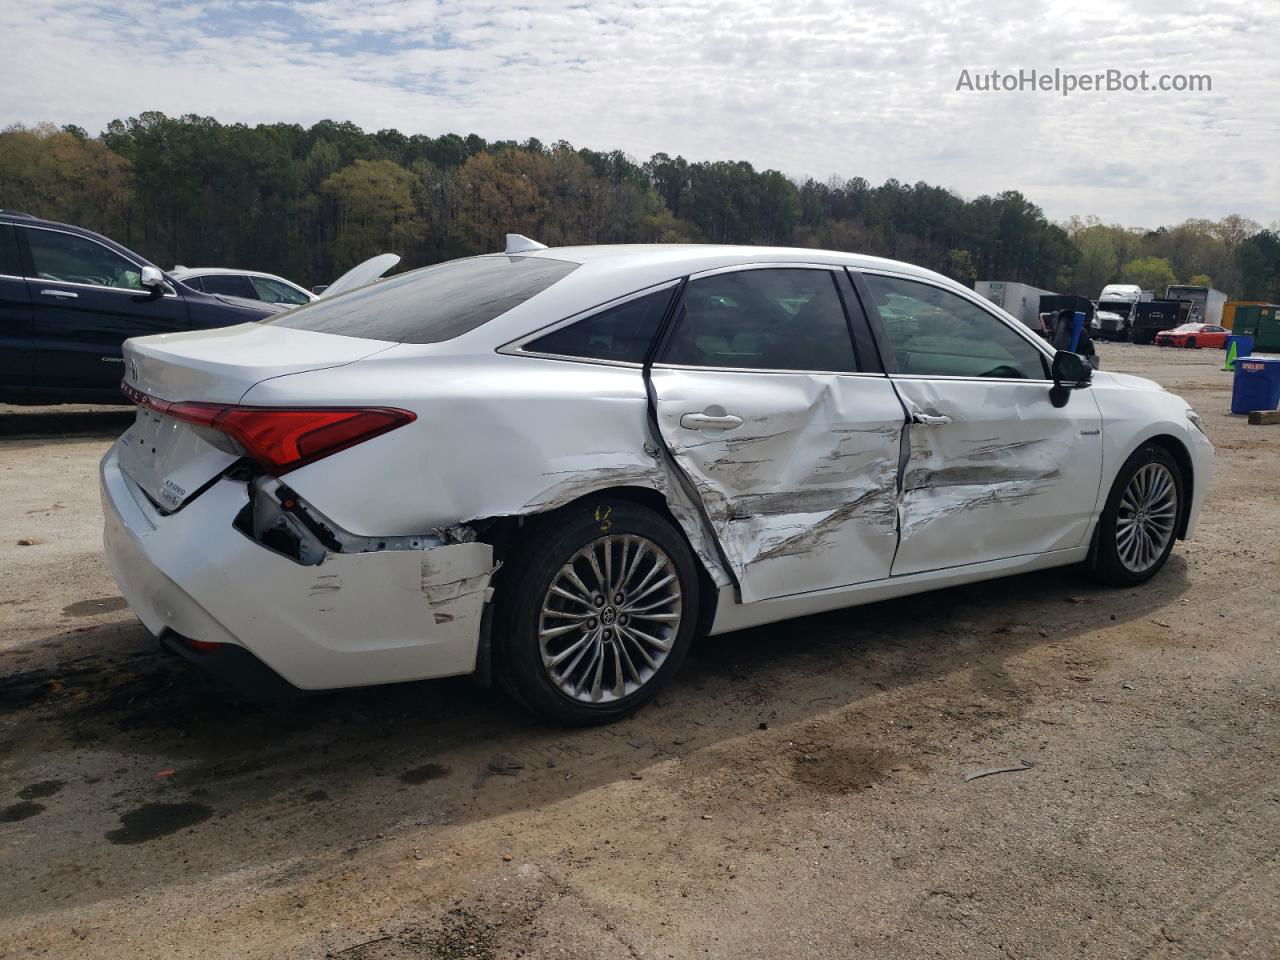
column 609, row 272
column 696, row 257
column 15, row 216
column 26, row 219
column 181, row 272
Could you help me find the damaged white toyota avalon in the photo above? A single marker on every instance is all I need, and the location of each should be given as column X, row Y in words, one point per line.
column 555, row 467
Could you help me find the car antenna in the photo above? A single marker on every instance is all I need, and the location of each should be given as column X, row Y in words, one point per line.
column 519, row 243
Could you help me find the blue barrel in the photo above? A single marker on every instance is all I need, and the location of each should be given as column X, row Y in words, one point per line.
column 1243, row 342
column 1256, row 385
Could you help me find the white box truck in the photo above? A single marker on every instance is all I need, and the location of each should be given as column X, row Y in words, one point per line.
column 1206, row 302
column 1020, row 299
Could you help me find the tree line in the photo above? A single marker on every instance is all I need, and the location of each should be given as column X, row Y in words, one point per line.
column 308, row 203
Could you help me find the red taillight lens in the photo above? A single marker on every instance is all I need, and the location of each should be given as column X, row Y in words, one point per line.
column 283, row 438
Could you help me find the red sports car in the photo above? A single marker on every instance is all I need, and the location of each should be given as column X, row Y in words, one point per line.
column 1193, row 335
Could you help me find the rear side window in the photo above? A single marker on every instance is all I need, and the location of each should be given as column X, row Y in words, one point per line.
column 273, row 291
column 622, row 333
column 433, row 304
column 771, row 319
column 10, row 263
column 228, row 284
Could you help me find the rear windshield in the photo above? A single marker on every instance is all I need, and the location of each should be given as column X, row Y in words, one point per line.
column 432, row 304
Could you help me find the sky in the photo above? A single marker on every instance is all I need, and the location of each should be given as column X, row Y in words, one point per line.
column 808, row 87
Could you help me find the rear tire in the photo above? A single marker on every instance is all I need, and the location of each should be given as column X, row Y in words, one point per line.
column 1140, row 521
column 567, row 647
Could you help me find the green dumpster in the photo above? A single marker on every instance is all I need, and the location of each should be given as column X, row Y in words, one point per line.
column 1267, row 339
column 1262, row 322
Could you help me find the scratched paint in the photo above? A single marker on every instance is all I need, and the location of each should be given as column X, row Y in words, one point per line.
column 1007, row 474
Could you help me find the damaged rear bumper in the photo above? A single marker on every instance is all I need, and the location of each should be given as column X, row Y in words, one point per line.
column 350, row 620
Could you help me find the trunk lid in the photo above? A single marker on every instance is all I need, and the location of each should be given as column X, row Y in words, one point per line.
column 361, row 274
column 174, row 461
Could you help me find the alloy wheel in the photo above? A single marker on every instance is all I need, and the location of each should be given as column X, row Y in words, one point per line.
column 1146, row 517
column 609, row 618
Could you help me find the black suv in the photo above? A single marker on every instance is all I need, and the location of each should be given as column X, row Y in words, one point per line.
column 70, row 297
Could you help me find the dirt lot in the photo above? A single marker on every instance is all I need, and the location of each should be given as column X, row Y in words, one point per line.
column 799, row 792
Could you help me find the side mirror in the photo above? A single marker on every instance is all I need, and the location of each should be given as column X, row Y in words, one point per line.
column 1070, row 372
column 320, row 288
column 152, row 279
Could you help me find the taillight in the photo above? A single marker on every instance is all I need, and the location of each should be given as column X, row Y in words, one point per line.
column 284, row 438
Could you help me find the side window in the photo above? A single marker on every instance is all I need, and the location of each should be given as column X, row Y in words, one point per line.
column 621, row 333
column 10, row 262
column 230, row 284
column 273, row 291
column 772, row 319
column 933, row 332
column 196, row 283
column 72, row 259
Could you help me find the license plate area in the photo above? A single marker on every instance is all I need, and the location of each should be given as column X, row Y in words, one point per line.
column 168, row 459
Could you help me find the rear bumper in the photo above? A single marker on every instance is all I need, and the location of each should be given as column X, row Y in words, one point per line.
column 353, row 620
column 235, row 666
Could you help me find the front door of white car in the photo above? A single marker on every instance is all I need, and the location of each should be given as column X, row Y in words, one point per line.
column 789, row 437
column 992, row 468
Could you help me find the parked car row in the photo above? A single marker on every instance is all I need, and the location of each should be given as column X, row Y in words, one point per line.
column 69, row 298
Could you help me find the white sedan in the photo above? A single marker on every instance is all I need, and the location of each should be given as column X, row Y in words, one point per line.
column 556, row 466
column 245, row 284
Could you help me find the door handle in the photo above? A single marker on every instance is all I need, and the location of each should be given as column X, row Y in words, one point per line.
column 705, row 421
column 929, row 419
column 61, row 294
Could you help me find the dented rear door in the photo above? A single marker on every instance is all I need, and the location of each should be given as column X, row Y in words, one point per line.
column 796, row 468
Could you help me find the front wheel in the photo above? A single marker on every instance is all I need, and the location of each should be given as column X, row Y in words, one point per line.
column 599, row 611
column 1140, row 520
column 1191, row 343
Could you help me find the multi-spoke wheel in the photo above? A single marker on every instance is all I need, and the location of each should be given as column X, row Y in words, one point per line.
column 609, row 618
column 1147, row 516
column 598, row 611
column 1140, row 520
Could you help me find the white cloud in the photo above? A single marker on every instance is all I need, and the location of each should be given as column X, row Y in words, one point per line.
column 816, row 88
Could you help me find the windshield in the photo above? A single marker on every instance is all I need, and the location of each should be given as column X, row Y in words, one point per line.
column 432, row 304
column 1187, row 328
column 1120, row 307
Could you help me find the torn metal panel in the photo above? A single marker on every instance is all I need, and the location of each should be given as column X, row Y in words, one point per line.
column 501, row 437
column 1008, row 474
column 279, row 519
column 802, row 493
column 647, row 471
column 454, row 570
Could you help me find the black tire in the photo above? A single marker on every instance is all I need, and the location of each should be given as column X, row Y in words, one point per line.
column 1191, row 343
column 1106, row 564
column 548, row 546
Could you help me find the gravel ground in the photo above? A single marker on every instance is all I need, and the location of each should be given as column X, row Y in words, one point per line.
column 799, row 791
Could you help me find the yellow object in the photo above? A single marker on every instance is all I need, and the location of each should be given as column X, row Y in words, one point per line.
column 1229, row 310
column 1231, row 357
